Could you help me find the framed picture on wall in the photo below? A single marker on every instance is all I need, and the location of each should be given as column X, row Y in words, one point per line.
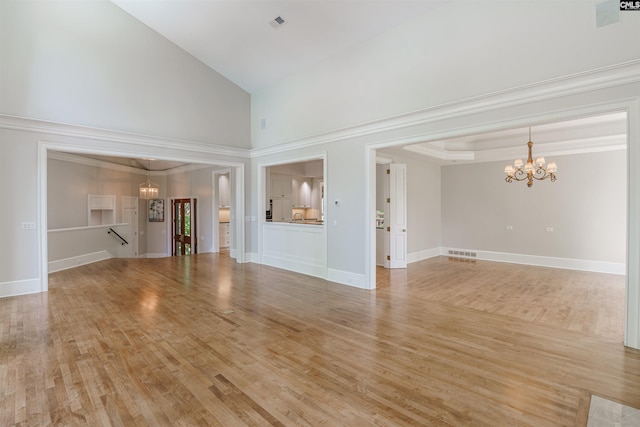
column 156, row 210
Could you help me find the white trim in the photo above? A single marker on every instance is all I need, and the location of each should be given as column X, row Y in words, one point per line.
column 86, row 161
column 423, row 254
column 20, row 287
column 600, row 78
column 541, row 261
column 41, row 192
column 440, row 153
column 369, row 219
column 155, row 255
column 253, row 257
column 151, row 142
column 236, row 176
column 347, row 278
column 632, row 296
column 295, row 265
column 87, row 227
column 181, row 169
column 76, row 261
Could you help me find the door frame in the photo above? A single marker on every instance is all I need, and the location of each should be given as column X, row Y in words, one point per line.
column 215, row 210
column 396, row 216
column 472, row 122
column 112, row 143
column 193, row 201
column 133, row 241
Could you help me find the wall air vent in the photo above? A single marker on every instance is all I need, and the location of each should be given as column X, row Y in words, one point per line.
column 277, row 22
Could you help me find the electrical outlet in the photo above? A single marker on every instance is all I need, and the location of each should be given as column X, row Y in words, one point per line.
column 509, row 227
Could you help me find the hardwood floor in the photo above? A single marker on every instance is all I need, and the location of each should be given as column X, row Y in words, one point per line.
column 201, row 340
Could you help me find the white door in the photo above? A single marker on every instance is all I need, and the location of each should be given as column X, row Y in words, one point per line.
column 130, row 217
column 397, row 219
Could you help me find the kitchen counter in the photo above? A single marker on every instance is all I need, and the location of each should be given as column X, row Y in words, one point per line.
column 298, row 246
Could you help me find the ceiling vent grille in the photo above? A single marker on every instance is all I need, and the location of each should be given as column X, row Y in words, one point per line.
column 277, row 22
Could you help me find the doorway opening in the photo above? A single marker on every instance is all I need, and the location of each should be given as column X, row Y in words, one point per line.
column 184, row 224
column 474, row 202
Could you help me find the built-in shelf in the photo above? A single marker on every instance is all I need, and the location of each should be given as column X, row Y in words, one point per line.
column 101, row 209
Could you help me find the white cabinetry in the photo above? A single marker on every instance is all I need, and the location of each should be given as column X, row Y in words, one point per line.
column 301, row 192
column 305, row 193
column 224, row 189
column 280, row 185
column 225, row 236
column 280, row 195
column 101, row 209
column 281, row 209
column 295, row 191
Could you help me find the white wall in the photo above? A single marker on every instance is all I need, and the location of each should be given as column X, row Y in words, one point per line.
column 586, row 207
column 69, row 184
column 460, row 50
column 19, row 260
column 92, row 64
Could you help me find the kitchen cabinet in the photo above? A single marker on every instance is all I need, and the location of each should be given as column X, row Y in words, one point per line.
column 317, row 190
column 295, row 191
column 224, row 235
column 281, row 197
column 224, row 191
column 301, row 192
column 281, row 209
column 280, row 185
column 305, row 193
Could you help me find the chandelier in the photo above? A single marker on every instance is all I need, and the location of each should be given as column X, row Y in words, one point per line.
column 148, row 189
column 531, row 170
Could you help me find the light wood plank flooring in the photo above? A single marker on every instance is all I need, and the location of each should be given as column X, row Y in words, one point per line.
column 201, row 340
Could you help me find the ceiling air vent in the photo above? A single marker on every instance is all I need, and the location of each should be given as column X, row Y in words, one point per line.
column 277, row 22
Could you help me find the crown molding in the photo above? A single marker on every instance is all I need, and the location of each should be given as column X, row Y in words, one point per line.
column 596, row 79
column 440, row 153
column 606, row 77
column 78, row 131
column 81, row 160
column 563, row 148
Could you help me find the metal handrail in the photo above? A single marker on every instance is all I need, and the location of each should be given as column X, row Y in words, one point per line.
column 111, row 230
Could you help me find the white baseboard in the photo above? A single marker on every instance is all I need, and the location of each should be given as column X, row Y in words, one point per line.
column 297, row 265
column 76, row 261
column 20, row 287
column 154, row 255
column 424, row 254
column 541, row 261
column 347, row 278
column 252, row 257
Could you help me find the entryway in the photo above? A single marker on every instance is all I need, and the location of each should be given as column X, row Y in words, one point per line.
column 184, row 224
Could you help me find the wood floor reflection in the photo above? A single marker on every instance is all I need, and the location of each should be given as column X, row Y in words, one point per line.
column 201, row 340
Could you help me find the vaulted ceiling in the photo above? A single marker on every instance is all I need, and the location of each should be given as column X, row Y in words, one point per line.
column 242, row 40
column 257, row 43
